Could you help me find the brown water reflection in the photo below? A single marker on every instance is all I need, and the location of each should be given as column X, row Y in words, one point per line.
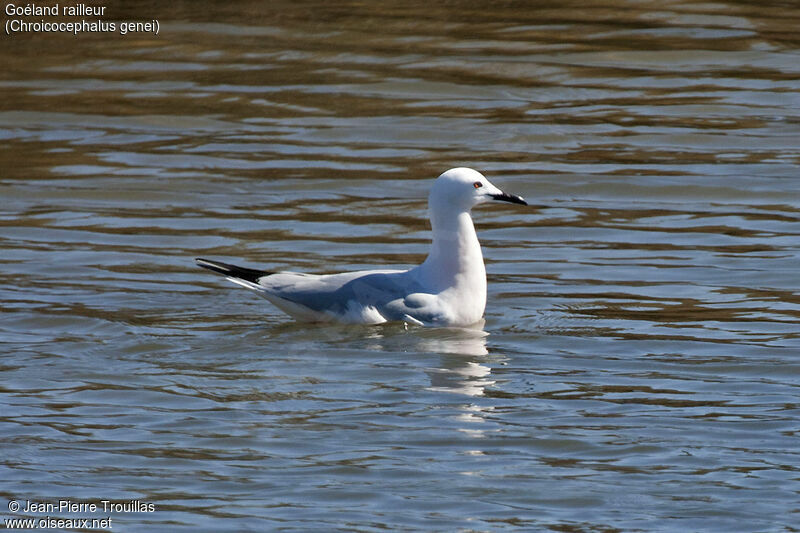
column 638, row 366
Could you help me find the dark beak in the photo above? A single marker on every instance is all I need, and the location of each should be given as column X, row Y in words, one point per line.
column 505, row 197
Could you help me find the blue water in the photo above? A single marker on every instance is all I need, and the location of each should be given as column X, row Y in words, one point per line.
column 638, row 367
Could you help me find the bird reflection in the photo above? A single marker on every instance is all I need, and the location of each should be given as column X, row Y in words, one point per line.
column 462, row 376
column 463, row 352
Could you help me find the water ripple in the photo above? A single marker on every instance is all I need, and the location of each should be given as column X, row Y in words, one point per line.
column 637, row 369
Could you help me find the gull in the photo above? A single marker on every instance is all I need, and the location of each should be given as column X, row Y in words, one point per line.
column 447, row 289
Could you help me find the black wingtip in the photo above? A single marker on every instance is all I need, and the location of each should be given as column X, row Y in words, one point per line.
column 248, row 274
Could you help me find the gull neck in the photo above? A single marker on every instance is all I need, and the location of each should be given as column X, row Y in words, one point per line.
column 455, row 257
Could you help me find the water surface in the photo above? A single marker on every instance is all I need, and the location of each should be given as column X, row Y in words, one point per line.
column 638, row 367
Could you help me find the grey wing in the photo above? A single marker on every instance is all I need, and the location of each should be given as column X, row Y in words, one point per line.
column 420, row 308
column 396, row 296
column 339, row 292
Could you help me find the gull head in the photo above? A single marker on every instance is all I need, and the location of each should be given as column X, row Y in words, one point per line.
column 464, row 188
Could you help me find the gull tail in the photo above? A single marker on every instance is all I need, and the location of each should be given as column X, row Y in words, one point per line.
column 247, row 277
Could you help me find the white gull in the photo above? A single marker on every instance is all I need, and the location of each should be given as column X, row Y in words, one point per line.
column 447, row 289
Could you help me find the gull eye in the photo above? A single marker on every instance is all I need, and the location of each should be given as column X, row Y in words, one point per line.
column 477, row 184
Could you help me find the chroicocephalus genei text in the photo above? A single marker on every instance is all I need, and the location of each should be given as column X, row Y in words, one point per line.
column 447, row 289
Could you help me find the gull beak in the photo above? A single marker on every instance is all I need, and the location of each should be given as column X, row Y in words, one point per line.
column 505, row 197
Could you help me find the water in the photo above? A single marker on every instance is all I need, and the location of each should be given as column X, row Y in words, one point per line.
column 638, row 368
